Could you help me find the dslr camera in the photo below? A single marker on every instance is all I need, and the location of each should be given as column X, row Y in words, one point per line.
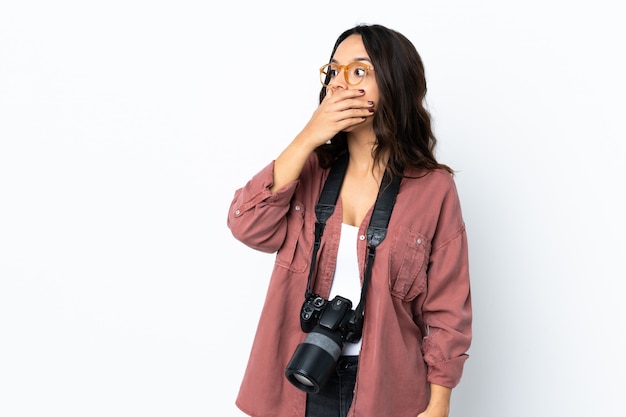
column 329, row 324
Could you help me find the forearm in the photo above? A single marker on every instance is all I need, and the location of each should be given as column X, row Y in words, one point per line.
column 289, row 164
column 439, row 404
column 339, row 110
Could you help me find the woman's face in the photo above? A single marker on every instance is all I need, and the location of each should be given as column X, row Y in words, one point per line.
column 349, row 51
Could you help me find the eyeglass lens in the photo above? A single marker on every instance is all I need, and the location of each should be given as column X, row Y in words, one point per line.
column 354, row 73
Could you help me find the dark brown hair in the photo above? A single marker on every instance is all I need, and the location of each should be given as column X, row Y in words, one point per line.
column 402, row 124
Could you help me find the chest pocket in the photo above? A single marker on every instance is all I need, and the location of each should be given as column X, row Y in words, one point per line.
column 293, row 253
column 408, row 262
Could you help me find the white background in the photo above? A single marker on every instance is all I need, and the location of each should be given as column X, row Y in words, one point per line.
column 126, row 126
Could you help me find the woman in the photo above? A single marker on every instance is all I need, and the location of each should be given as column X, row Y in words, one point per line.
column 417, row 311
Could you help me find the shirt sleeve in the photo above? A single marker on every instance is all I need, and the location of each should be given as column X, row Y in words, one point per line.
column 447, row 308
column 257, row 217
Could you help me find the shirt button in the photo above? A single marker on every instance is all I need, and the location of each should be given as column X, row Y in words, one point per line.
column 419, row 241
column 297, row 208
column 362, row 237
column 237, row 212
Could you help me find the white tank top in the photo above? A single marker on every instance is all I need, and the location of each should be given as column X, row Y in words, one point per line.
column 347, row 282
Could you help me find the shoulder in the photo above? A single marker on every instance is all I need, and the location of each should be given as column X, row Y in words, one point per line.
column 430, row 204
column 312, row 165
column 433, row 182
column 432, row 192
column 312, row 176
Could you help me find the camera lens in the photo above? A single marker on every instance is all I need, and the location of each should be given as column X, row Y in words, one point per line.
column 314, row 360
column 303, row 380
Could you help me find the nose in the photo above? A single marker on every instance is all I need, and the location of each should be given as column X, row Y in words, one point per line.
column 339, row 81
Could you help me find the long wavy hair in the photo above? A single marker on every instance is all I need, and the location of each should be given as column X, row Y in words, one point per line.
column 402, row 124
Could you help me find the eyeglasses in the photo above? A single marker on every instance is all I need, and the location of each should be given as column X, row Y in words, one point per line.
column 354, row 72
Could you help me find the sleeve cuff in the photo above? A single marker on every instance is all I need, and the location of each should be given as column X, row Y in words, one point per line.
column 447, row 373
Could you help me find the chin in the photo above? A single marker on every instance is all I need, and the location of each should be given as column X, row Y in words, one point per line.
column 367, row 125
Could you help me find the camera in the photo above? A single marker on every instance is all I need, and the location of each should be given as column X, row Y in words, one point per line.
column 329, row 324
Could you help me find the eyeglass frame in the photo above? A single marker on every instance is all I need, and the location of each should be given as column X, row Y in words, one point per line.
column 345, row 71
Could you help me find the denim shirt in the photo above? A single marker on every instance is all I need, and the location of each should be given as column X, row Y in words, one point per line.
column 417, row 325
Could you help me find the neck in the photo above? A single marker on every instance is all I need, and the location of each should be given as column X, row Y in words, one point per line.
column 361, row 162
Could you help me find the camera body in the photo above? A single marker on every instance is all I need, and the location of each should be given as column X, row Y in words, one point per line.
column 329, row 324
column 334, row 315
column 310, row 312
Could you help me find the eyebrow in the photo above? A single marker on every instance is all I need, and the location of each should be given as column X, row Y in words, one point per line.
column 354, row 60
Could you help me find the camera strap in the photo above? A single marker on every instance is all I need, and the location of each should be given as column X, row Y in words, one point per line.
column 376, row 231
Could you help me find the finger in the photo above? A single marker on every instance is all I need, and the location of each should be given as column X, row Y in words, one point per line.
column 355, row 117
column 355, row 108
column 357, row 113
column 339, row 94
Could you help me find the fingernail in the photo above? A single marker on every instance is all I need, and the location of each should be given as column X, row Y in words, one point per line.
column 361, row 91
column 370, row 103
column 371, row 110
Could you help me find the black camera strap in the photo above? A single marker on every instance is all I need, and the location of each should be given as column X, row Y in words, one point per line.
column 376, row 231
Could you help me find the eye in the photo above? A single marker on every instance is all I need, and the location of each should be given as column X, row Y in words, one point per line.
column 359, row 71
column 332, row 71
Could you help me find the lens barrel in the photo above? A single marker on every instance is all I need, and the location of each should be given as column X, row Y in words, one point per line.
column 314, row 360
